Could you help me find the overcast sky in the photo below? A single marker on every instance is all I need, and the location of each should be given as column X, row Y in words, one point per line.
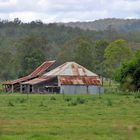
column 68, row 10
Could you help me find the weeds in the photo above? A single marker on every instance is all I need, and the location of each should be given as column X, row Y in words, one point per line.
column 10, row 103
column 109, row 102
column 136, row 101
column 67, row 99
column 80, row 100
column 73, row 103
column 21, row 100
column 42, row 104
column 76, row 101
column 52, row 98
column 137, row 96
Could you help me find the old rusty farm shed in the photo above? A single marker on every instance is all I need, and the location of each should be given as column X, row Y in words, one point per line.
column 14, row 86
column 67, row 78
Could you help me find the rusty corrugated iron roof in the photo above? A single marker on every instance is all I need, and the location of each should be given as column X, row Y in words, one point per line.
column 37, row 80
column 19, row 80
column 70, row 69
column 79, row 80
column 70, row 73
column 42, row 68
column 67, row 80
column 38, row 71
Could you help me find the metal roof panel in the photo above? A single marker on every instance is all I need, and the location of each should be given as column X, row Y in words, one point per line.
column 37, row 72
column 71, row 69
column 79, row 80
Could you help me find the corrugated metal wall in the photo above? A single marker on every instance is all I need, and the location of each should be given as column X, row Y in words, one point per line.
column 95, row 89
column 71, row 89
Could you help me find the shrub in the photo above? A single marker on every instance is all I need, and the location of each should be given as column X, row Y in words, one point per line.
column 109, row 102
column 137, row 96
column 128, row 75
column 73, row 103
column 67, row 99
column 52, row 98
column 76, row 101
column 42, row 104
column 80, row 100
column 10, row 103
column 22, row 100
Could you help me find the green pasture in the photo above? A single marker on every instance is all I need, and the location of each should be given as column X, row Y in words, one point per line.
column 69, row 117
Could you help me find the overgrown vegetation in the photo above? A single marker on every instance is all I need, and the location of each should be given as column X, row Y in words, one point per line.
column 129, row 74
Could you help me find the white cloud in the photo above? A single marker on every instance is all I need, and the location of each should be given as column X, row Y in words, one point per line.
column 68, row 10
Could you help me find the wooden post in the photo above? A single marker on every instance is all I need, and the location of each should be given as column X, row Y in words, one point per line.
column 102, row 81
column 32, row 88
column 87, row 89
column 21, row 88
column 12, row 88
column 28, row 88
column 99, row 90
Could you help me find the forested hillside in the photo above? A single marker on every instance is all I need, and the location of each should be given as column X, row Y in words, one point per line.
column 23, row 46
column 122, row 25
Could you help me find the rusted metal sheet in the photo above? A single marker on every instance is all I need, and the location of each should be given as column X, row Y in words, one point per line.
column 40, row 70
column 71, row 69
column 79, row 80
column 37, row 80
column 18, row 80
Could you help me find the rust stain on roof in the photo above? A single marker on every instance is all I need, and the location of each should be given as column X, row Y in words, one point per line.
column 19, row 80
column 42, row 68
column 37, row 80
column 70, row 73
column 75, row 69
column 79, row 80
column 71, row 69
column 38, row 71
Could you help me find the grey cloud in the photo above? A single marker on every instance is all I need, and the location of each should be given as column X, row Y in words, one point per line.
column 18, row 6
column 68, row 10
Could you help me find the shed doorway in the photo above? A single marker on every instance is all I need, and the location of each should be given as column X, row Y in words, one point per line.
column 53, row 89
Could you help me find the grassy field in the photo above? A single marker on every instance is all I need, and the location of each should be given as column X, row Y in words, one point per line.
column 73, row 117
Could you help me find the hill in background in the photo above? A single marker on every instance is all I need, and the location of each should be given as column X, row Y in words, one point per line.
column 123, row 25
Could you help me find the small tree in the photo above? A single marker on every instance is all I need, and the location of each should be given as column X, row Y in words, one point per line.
column 129, row 74
column 84, row 53
column 116, row 53
column 100, row 47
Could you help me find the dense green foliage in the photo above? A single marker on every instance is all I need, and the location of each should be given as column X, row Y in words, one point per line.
column 31, row 53
column 115, row 54
column 73, row 117
column 84, row 54
column 24, row 46
column 129, row 73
